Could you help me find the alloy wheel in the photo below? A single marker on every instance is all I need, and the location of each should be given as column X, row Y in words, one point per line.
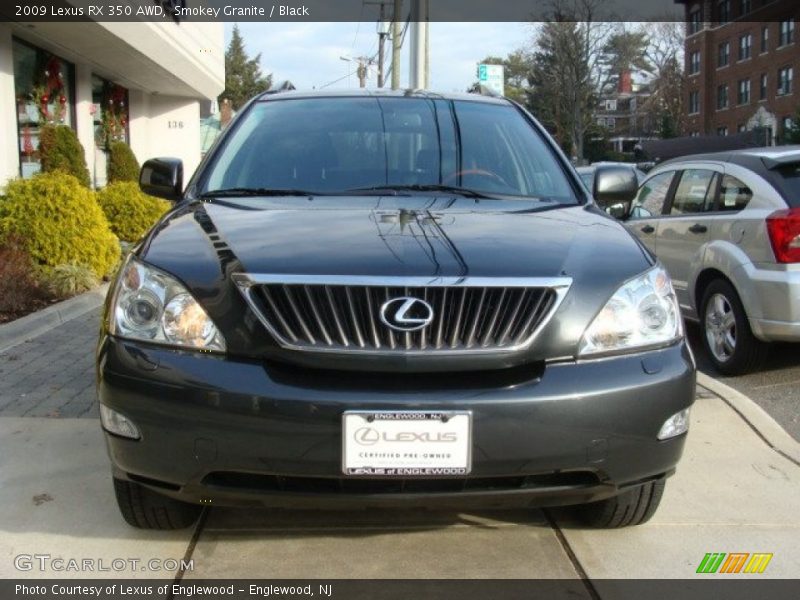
column 720, row 326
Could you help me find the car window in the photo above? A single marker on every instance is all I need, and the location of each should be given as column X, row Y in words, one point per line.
column 695, row 192
column 733, row 194
column 652, row 195
column 332, row 145
column 787, row 181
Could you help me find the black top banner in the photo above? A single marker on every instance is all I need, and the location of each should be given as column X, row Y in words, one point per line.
column 370, row 10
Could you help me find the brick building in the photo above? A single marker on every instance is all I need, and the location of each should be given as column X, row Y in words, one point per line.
column 741, row 60
column 625, row 114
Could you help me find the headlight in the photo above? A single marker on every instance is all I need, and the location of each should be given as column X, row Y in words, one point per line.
column 642, row 313
column 150, row 305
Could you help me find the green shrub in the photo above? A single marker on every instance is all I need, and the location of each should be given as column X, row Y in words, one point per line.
column 59, row 222
column 122, row 163
column 68, row 280
column 60, row 150
column 129, row 211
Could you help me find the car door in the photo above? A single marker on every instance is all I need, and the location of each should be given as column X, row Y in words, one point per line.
column 684, row 230
column 648, row 207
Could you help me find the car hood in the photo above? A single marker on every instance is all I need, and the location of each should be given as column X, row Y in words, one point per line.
column 204, row 243
column 397, row 236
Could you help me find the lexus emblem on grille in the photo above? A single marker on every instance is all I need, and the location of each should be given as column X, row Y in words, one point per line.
column 406, row 314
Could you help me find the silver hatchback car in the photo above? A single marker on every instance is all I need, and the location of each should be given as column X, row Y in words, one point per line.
column 727, row 228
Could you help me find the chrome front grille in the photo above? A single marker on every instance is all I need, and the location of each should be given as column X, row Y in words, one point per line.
column 483, row 315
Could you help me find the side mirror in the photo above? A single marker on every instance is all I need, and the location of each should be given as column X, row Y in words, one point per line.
column 162, row 177
column 614, row 185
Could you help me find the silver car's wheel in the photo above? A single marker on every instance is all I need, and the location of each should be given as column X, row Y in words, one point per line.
column 727, row 336
column 720, row 328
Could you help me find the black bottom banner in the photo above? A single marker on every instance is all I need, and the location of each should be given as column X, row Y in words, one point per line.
column 391, row 589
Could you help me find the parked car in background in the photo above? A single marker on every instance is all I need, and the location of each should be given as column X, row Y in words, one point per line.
column 727, row 228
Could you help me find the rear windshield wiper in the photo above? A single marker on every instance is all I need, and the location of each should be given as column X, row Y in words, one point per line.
column 243, row 191
column 447, row 189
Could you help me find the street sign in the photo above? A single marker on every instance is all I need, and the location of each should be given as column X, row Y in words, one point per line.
column 493, row 77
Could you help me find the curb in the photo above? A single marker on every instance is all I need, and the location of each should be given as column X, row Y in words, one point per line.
column 35, row 324
column 766, row 427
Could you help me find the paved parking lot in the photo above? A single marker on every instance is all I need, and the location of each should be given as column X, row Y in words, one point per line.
column 732, row 492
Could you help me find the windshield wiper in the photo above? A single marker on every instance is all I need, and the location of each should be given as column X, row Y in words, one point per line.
column 435, row 187
column 243, row 191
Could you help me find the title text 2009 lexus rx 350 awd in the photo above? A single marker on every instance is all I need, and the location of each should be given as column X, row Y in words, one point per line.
column 390, row 299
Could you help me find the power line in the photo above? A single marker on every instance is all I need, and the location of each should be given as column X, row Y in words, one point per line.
column 351, row 73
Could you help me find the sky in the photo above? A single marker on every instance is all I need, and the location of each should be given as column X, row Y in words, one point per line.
column 308, row 54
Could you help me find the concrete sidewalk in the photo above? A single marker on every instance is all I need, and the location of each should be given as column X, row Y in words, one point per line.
column 732, row 493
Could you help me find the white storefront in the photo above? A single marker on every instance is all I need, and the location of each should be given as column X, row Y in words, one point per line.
column 138, row 82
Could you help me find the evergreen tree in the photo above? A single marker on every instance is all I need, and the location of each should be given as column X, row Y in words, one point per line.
column 792, row 133
column 243, row 77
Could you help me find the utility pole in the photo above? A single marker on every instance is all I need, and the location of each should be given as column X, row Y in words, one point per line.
column 383, row 33
column 362, row 69
column 397, row 32
column 419, row 45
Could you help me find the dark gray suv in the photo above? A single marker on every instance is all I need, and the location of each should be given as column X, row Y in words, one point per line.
column 390, row 299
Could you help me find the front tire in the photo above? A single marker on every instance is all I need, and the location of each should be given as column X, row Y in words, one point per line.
column 727, row 337
column 631, row 507
column 145, row 509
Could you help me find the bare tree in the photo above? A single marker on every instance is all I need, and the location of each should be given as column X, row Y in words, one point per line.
column 665, row 55
column 571, row 69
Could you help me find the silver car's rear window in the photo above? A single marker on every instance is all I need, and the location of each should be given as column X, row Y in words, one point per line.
column 787, row 180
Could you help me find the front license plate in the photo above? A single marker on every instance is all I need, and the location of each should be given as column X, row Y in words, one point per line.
column 406, row 443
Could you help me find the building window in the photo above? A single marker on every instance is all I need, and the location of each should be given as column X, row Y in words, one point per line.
column 741, row 128
column 694, row 102
column 722, row 97
column 694, row 134
column 611, row 104
column 764, row 38
column 43, row 87
column 724, row 54
column 762, row 87
column 724, row 11
column 109, row 112
column 745, row 44
column 722, row 131
column 745, row 7
column 694, row 62
column 694, row 20
column 785, row 76
column 744, row 91
column 787, row 32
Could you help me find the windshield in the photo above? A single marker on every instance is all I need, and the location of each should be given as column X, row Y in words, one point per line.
column 336, row 145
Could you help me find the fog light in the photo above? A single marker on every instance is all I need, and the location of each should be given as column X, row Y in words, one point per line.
column 675, row 425
column 118, row 424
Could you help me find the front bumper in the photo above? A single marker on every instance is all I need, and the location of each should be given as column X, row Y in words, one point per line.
column 230, row 431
